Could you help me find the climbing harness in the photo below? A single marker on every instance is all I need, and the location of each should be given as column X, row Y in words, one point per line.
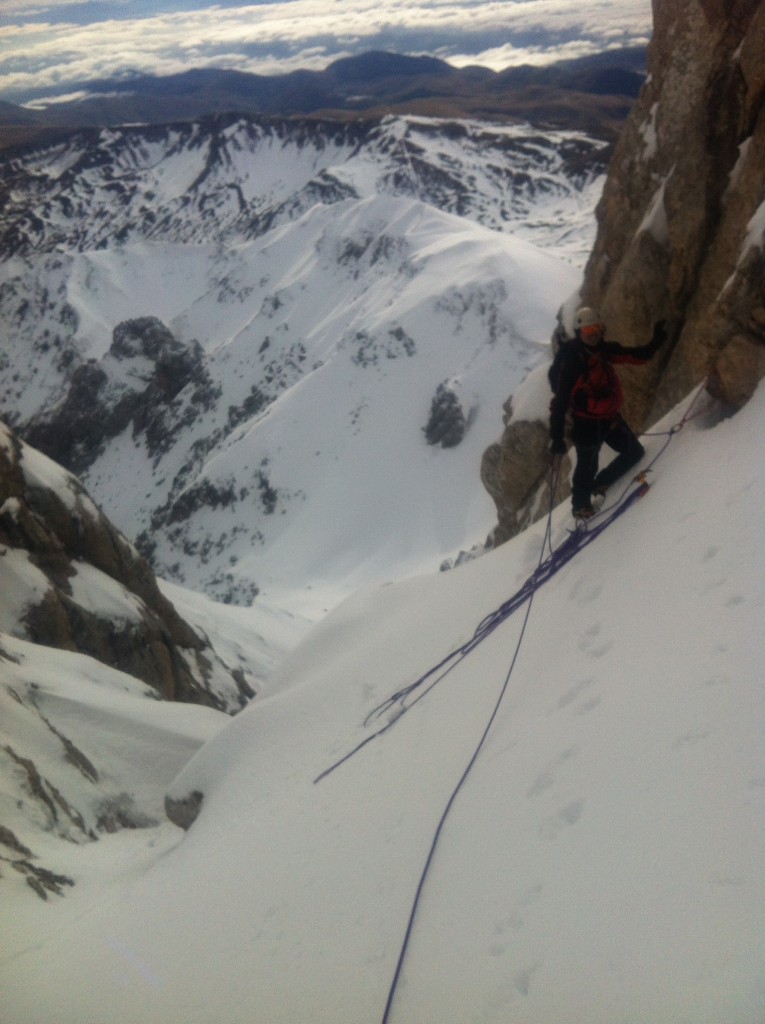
column 403, row 700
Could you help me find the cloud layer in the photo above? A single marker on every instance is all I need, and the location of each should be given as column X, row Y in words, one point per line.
column 49, row 46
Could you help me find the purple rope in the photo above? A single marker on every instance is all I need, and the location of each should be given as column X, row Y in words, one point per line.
column 442, row 822
column 546, row 569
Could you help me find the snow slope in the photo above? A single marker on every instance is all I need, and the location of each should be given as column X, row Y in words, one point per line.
column 604, row 861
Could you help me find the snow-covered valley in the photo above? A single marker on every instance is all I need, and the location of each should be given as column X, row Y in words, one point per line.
column 319, row 326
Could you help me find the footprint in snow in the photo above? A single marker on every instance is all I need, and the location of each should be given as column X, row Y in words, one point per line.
column 578, row 688
column 710, row 553
column 584, row 592
column 569, row 815
column 546, row 779
column 522, row 979
column 587, row 643
column 588, row 706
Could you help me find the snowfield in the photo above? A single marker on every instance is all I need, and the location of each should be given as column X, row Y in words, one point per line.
column 604, row 861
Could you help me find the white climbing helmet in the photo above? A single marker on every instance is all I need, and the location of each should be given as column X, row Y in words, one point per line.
column 587, row 317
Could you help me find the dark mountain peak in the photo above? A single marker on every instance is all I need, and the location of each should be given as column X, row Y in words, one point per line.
column 616, row 72
column 10, row 113
column 381, row 64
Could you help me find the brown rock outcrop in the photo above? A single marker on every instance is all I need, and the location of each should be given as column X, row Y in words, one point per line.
column 681, row 219
column 681, row 222
column 515, row 472
column 184, row 811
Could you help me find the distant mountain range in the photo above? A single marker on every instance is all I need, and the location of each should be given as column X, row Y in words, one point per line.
column 593, row 94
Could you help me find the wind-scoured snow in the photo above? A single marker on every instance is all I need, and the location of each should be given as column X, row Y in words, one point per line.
column 604, row 861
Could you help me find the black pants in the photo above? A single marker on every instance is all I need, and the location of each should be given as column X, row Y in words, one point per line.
column 588, row 437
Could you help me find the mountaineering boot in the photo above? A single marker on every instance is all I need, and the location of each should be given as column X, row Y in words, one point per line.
column 598, row 496
column 584, row 512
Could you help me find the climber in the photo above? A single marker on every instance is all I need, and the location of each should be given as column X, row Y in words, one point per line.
column 585, row 384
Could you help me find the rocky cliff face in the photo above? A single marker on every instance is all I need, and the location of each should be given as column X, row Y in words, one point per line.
column 682, row 217
column 680, row 228
column 135, row 385
column 74, row 583
column 87, row 639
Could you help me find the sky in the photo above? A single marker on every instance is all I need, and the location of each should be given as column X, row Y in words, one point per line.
column 47, row 45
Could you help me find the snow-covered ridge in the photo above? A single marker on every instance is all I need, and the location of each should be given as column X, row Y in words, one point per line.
column 231, row 179
column 328, row 290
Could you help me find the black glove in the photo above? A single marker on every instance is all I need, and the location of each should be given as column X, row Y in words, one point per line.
column 558, row 447
column 659, row 334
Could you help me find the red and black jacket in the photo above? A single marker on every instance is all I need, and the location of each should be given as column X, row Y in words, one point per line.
column 585, row 383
